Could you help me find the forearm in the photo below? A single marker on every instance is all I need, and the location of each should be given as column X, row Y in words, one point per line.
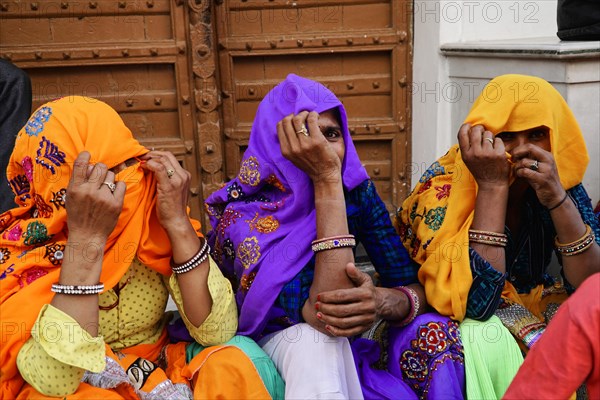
column 491, row 219
column 82, row 265
column 569, row 228
column 330, row 265
column 193, row 284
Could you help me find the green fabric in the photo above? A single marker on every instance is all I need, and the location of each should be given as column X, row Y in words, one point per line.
column 264, row 365
column 492, row 358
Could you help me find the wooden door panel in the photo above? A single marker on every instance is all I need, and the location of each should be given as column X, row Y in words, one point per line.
column 132, row 55
column 357, row 48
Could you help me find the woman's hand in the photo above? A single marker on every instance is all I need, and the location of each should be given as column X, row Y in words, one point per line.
column 172, row 189
column 93, row 208
column 349, row 312
column 538, row 168
column 484, row 155
column 309, row 151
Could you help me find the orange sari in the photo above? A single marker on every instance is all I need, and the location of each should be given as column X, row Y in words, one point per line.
column 33, row 236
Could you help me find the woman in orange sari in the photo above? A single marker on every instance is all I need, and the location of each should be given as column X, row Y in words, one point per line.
column 88, row 259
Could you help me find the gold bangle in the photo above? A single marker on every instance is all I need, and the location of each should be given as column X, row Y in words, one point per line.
column 578, row 246
column 588, row 230
column 489, row 238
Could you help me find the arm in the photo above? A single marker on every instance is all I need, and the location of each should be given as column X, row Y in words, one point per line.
column 172, row 190
column 314, row 155
column 54, row 360
column 489, row 165
column 566, row 217
column 92, row 213
column 221, row 324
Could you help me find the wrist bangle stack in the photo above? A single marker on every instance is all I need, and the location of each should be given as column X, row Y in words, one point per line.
column 415, row 305
column 193, row 262
column 333, row 242
column 489, row 238
column 77, row 289
column 578, row 246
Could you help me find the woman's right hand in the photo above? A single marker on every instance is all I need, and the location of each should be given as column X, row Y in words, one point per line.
column 92, row 208
column 484, row 155
column 310, row 152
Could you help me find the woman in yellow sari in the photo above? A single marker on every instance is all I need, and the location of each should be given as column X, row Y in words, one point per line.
column 484, row 219
column 99, row 239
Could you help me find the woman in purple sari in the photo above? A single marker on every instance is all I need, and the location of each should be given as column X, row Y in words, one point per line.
column 284, row 232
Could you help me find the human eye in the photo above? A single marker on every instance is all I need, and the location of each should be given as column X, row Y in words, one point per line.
column 537, row 134
column 332, row 134
column 506, row 136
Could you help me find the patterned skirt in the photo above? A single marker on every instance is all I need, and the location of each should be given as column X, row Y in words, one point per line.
column 423, row 360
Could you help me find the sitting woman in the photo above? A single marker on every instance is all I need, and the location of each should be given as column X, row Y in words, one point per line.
column 484, row 219
column 99, row 240
column 284, row 229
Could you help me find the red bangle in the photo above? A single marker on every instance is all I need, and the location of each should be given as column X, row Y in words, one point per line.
column 415, row 304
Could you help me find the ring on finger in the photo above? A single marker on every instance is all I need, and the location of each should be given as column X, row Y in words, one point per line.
column 111, row 186
column 490, row 140
column 302, row 131
column 170, row 173
column 534, row 165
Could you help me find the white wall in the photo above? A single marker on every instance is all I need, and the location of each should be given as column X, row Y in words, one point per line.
column 436, row 103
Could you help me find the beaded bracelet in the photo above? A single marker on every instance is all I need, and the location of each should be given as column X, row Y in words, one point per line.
column 490, row 238
column 193, row 262
column 415, row 304
column 333, row 242
column 77, row 289
column 578, row 246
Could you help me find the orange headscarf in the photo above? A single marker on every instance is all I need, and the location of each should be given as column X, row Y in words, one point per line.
column 33, row 235
column 434, row 220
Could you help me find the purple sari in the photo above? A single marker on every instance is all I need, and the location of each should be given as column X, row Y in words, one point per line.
column 423, row 360
column 264, row 220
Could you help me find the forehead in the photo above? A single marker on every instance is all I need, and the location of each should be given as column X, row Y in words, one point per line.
column 330, row 118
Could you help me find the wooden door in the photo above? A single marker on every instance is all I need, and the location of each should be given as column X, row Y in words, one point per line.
column 187, row 76
column 360, row 49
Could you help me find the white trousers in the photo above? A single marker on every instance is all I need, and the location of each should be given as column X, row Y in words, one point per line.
column 312, row 364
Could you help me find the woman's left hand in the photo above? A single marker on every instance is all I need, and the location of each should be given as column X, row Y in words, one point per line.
column 172, row 189
column 349, row 312
column 538, row 168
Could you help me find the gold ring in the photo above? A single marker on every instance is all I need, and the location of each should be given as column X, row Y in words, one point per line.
column 111, row 186
column 170, row 173
column 534, row 165
column 490, row 140
column 303, row 131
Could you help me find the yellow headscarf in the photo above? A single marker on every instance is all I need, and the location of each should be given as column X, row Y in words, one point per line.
column 434, row 220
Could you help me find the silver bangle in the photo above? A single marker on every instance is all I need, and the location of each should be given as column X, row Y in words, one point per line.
column 77, row 289
column 193, row 262
column 183, row 270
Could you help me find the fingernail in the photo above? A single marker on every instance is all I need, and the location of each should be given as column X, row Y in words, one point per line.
column 316, row 306
column 318, row 297
column 319, row 315
column 328, row 328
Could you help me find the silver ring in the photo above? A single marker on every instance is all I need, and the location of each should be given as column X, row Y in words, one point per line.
column 534, row 165
column 111, row 186
column 303, row 131
column 490, row 140
column 170, row 173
